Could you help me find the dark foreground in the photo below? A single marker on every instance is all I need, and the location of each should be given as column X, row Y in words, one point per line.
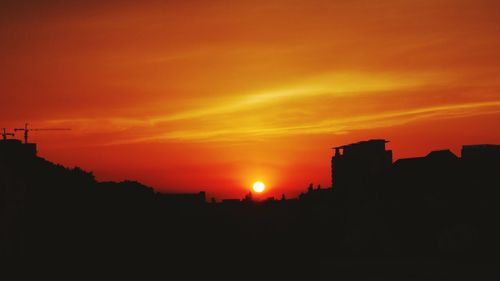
column 57, row 220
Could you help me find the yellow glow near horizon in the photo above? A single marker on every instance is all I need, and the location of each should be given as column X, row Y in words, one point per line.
column 258, row 186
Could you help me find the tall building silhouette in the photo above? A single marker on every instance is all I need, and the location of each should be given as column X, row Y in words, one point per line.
column 357, row 163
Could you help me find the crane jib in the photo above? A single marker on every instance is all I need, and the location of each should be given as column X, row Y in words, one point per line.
column 26, row 130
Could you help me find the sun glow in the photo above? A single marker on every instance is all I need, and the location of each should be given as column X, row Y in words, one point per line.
column 258, row 187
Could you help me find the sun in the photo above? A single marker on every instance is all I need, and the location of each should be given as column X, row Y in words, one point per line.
column 258, row 186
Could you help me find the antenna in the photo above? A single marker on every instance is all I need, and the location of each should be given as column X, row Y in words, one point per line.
column 26, row 130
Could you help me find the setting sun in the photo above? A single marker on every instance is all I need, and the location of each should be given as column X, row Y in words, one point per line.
column 258, row 187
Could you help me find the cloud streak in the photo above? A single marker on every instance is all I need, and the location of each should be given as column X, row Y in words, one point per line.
column 336, row 126
column 236, row 132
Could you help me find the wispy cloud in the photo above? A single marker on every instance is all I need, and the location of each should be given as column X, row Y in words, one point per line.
column 336, row 126
column 333, row 84
column 233, row 121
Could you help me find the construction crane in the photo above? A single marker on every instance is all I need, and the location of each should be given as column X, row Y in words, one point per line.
column 5, row 134
column 26, row 130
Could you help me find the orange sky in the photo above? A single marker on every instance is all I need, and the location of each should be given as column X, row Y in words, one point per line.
column 214, row 95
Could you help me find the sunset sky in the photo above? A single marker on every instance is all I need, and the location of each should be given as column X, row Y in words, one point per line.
column 215, row 95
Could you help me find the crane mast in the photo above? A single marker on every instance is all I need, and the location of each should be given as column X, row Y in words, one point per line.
column 5, row 134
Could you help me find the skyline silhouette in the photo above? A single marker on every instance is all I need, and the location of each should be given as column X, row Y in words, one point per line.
column 439, row 208
column 369, row 156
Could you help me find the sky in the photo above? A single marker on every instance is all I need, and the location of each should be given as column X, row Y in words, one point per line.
column 193, row 95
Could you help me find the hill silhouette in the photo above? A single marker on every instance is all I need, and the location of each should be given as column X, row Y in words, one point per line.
column 439, row 208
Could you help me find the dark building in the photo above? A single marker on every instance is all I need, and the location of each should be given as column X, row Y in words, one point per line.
column 444, row 163
column 431, row 176
column 435, row 160
column 15, row 148
column 480, row 165
column 358, row 163
column 480, row 151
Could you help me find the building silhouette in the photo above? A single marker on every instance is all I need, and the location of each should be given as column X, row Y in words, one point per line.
column 358, row 163
column 13, row 148
column 480, row 152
